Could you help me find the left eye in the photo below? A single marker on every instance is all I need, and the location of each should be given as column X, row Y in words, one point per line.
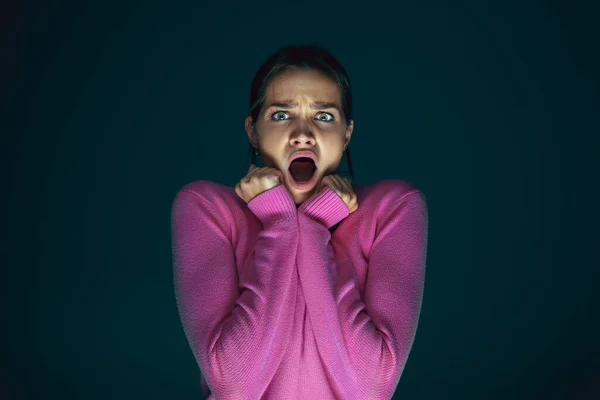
column 327, row 115
column 323, row 113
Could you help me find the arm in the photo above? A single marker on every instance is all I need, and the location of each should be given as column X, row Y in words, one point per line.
column 237, row 327
column 365, row 343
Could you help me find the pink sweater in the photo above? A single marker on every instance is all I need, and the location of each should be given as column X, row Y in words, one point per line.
column 279, row 302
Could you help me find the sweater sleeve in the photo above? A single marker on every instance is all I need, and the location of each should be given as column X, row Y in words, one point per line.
column 237, row 326
column 364, row 343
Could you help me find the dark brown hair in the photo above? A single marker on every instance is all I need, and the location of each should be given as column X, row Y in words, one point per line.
column 310, row 56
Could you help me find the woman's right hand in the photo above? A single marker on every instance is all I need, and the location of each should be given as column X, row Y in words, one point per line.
column 258, row 180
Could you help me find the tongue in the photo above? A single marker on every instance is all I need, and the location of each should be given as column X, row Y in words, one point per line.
column 302, row 170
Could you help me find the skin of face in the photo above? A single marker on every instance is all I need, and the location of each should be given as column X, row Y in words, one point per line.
column 320, row 130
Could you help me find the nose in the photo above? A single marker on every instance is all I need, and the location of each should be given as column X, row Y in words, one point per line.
column 302, row 139
column 302, row 133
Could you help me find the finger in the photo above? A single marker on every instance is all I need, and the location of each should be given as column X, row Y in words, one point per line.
column 335, row 180
column 347, row 185
column 349, row 193
column 336, row 185
column 343, row 184
column 251, row 171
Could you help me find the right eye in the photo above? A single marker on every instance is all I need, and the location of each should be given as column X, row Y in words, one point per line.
column 276, row 112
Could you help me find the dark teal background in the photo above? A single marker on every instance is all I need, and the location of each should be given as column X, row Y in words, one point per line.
column 491, row 110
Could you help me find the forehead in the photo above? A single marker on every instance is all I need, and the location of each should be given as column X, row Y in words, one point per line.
column 303, row 85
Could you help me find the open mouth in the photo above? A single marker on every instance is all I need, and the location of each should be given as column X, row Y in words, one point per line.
column 303, row 173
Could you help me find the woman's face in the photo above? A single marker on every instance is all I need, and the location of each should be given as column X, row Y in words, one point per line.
column 284, row 130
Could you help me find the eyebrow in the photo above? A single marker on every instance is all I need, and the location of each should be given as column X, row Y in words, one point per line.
column 315, row 106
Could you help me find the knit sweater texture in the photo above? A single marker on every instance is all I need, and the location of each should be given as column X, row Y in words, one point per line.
column 309, row 302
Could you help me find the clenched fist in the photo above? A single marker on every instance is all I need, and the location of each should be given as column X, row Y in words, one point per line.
column 258, row 180
column 342, row 186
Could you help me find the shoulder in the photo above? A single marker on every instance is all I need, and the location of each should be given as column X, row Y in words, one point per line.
column 396, row 200
column 202, row 187
column 391, row 190
column 397, row 187
column 211, row 192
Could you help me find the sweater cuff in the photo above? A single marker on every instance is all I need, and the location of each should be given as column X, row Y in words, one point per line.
column 273, row 205
column 326, row 207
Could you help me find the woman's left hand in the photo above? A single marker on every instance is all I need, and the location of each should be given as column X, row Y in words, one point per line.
column 342, row 186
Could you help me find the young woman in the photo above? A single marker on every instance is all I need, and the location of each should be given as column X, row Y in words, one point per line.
column 298, row 284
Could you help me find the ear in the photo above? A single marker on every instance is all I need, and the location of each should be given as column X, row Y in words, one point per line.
column 349, row 129
column 249, row 126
